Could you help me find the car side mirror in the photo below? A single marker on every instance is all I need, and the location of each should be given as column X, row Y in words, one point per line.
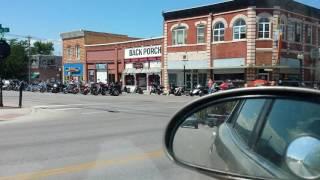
column 303, row 157
column 252, row 133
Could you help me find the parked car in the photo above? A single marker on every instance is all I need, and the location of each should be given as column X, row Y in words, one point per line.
column 263, row 133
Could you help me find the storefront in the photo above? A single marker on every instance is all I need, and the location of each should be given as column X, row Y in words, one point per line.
column 229, row 69
column 73, row 72
column 195, row 71
column 142, row 67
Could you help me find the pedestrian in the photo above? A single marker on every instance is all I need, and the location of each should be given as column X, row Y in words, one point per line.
column 224, row 85
column 210, row 83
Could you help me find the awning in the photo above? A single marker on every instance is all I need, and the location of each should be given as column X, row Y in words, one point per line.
column 229, row 63
column 190, row 64
column 144, row 70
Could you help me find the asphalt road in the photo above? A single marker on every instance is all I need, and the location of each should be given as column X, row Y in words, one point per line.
column 87, row 137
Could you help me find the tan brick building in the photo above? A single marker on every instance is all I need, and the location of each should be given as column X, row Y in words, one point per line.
column 241, row 40
column 74, row 53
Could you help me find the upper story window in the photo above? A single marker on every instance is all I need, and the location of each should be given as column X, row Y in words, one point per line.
column 283, row 28
column 179, row 35
column 291, row 30
column 218, row 32
column 308, row 30
column 78, row 52
column 201, row 33
column 264, row 28
column 239, row 30
column 298, row 32
column 69, row 52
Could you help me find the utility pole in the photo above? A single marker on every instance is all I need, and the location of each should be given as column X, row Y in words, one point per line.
column 29, row 57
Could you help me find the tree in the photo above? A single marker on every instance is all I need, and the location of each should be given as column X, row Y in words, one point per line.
column 43, row 48
column 15, row 66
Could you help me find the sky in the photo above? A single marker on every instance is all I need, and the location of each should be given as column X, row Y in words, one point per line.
column 46, row 19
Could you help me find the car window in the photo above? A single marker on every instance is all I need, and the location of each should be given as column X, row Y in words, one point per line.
column 282, row 127
column 248, row 117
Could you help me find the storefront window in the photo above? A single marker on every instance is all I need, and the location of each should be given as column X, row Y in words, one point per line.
column 283, row 28
column 203, row 79
column 91, row 76
column 172, row 79
column 129, row 80
column 154, row 79
column 111, row 78
column 142, row 80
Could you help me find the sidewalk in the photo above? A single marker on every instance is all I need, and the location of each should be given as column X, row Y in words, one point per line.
column 12, row 113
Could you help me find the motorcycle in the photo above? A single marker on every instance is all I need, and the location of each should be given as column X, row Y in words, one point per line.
column 72, row 89
column 95, row 89
column 156, row 89
column 85, row 89
column 199, row 91
column 114, row 89
column 55, row 88
column 177, row 91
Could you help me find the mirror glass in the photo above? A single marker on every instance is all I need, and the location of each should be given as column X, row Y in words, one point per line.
column 303, row 157
column 247, row 136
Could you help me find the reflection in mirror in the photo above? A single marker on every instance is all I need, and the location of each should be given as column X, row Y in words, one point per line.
column 214, row 138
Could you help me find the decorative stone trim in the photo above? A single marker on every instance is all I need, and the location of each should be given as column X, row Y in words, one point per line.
column 264, row 15
column 179, row 25
column 219, row 19
column 200, row 23
column 240, row 16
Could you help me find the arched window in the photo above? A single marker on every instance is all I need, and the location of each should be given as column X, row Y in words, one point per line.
column 264, row 28
column 218, row 32
column 239, row 30
column 200, row 33
column 179, row 35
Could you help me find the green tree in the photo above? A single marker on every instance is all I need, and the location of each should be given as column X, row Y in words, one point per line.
column 44, row 48
column 15, row 66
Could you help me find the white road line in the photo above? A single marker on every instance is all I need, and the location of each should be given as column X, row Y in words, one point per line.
column 66, row 109
column 95, row 112
column 66, row 105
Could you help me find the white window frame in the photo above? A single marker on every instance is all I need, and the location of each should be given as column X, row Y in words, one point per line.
column 298, row 31
column 201, row 26
column 69, row 52
column 239, row 28
column 291, row 30
column 308, row 28
column 175, row 35
column 78, row 52
column 266, row 33
column 219, row 30
column 283, row 28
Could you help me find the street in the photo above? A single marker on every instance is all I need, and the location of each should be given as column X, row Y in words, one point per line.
column 89, row 137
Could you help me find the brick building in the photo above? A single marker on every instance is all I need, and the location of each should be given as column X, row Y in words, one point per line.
column 46, row 68
column 138, row 62
column 241, row 40
column 74, row 55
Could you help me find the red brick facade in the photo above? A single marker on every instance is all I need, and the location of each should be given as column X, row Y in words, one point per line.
column 260, row 55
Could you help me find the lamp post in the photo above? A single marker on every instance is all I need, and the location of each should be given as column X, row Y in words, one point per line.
column 301, row 58
column 4, row 52
column 184, row 60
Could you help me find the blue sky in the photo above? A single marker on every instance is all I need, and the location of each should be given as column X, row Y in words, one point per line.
column 46, row 19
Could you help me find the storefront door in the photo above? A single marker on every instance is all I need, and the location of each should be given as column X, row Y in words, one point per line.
column 142, row 81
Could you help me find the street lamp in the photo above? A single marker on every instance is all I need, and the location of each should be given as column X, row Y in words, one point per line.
column 184, row 60
column 301, row 58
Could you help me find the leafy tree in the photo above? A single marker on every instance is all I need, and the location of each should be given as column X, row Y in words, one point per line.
column 44, row 48
column 16, row 65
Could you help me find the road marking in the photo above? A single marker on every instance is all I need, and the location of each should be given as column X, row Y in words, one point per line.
column 66, row 109
column 86, row 166
column 95, row 112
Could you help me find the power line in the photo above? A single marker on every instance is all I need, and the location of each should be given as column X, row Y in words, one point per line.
column 34, row 38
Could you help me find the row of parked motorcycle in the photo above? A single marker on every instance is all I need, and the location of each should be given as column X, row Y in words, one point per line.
column 112, row 89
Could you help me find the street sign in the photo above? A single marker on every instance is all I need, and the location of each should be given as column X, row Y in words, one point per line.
column 4, row 49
